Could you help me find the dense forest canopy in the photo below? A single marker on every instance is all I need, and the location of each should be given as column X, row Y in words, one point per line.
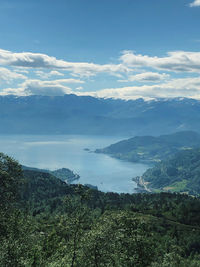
column 55, row 224
column 63, row 174
column 180, row 173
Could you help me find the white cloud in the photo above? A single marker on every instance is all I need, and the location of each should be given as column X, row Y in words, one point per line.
column 79, row 88
column 37, row 60
column 21, row 70
column 185, row 87
column 8, row 76
column 177, row 61
column 195, row 3
column 37, row 87
column 150, row 72
column 70, row 80
column 147, row 77
column 46, row 75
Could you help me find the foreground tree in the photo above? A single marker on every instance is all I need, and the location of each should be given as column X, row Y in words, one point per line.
column 10, row 180
column 12, row 232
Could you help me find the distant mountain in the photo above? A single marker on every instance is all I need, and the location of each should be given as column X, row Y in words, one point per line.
column 152, row 149
column 71, row 114
column 180, row 173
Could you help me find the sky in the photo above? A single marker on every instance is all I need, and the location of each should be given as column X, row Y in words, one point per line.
column 104, row 48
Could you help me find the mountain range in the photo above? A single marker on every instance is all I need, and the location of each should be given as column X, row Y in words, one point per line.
column 71, row 114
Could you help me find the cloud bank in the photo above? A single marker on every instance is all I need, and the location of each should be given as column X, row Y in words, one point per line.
column 38, row 87
column 37, row 60
column 177, row 61
column 176, row 74
column 8, row 76
column 146, row 77
column 187, row 87
column 195, row 3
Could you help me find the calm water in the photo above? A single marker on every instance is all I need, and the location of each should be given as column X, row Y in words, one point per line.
column 58, row 151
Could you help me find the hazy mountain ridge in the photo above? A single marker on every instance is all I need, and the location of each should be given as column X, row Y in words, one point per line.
column 71, row 114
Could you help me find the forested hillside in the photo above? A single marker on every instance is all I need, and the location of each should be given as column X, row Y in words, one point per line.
column 152, row 149
column 63, row 174
column 180, row 173
column 45, row 222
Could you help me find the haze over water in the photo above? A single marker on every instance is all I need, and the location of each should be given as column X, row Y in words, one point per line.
column 59, row 151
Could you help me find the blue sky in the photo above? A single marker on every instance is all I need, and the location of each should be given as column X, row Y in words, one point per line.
column 105, row 48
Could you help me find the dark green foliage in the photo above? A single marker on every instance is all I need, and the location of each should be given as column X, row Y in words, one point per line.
column 63, row 174
column 152, row 149
column 73, row 225
column 180, row 173
column 43, row 191
column 10, row 174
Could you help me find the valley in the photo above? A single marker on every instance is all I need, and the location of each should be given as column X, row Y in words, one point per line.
column 99, row 133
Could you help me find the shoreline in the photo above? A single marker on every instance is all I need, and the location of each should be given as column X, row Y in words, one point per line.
column 141, row 185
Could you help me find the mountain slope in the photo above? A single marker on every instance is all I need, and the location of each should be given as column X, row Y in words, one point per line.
column 63, row 174
column 152, row 149
column 181, row 173
column 71, row 225
column 71, row 114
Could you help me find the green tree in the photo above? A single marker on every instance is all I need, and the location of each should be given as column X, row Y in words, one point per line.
column 10, row 179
